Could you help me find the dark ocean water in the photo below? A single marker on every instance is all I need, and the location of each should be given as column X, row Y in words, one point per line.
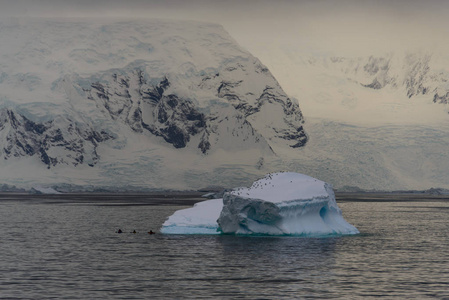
column 55, row 247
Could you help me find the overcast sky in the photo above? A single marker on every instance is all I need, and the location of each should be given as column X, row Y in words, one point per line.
column 346, row 26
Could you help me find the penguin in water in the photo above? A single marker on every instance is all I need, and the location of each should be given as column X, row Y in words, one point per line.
column 151, row 232
column 119, row 231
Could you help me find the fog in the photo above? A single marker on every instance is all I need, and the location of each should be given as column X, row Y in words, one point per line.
column 339, row 26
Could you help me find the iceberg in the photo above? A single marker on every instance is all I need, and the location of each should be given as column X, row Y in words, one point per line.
column 200, row 219
column 283, row 203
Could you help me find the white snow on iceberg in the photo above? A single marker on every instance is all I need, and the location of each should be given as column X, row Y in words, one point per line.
column 279, row 204
column 200, row 219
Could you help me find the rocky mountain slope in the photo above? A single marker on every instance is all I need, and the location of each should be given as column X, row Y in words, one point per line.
column 414, row 74
column 152, row 104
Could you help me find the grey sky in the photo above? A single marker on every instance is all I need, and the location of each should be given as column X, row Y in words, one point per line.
column 337, row 25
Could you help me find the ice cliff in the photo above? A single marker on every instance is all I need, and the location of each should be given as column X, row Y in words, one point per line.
column 283, row 203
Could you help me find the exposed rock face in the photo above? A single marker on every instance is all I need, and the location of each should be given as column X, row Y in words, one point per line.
column 23, row 137
column 444, row 99
column 154, row 109
column 412, row 73
column 126, row 97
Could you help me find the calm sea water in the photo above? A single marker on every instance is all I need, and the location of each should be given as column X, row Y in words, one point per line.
column 67, row 248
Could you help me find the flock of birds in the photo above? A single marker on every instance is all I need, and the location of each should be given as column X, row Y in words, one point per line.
column 259, row 184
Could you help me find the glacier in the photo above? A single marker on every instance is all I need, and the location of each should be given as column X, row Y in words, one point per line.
column 283, row 203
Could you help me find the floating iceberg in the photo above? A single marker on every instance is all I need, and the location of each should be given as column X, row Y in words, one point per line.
column 279, row 204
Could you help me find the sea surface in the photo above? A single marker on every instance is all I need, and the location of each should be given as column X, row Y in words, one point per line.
column 66, row 247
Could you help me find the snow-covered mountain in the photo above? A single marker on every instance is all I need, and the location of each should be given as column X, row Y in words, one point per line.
column 414, row 74
column 374, row 122
column 368, row 87
column 180, row 105
column 155, row 104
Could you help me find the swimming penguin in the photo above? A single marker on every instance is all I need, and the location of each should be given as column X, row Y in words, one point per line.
column 151, row 232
